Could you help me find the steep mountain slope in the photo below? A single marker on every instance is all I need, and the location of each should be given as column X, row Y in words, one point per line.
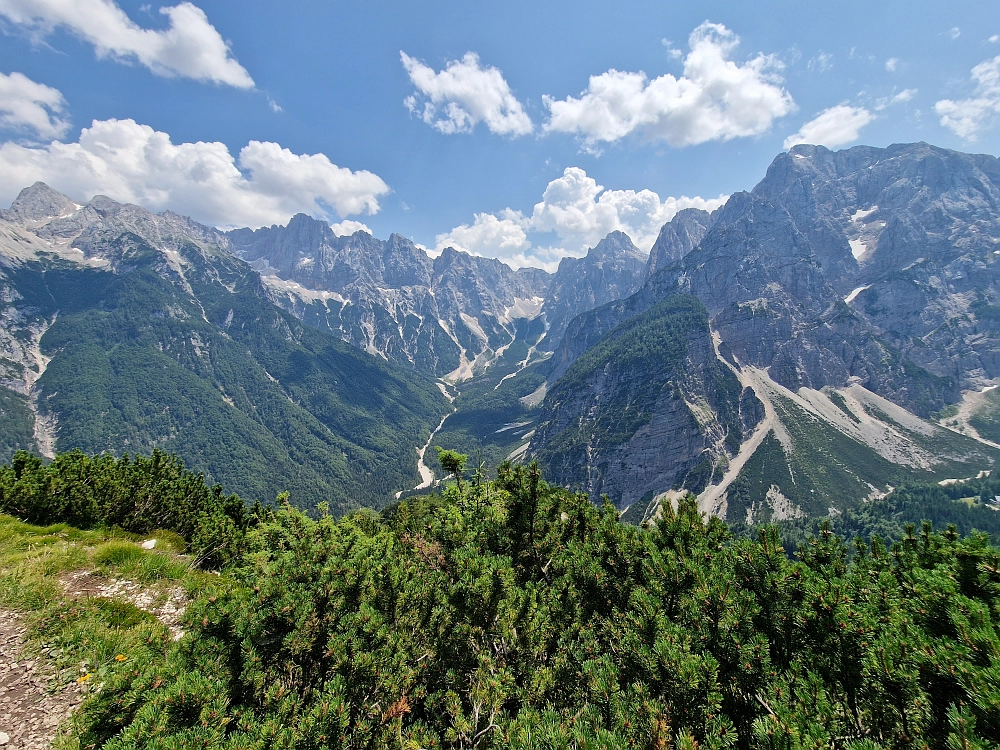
column 867, row 276
column 447, row 316
column 875, row 263
column 125, row 331
column 678, row 237
column 879, row 264
column 648, row 407
column 645, row 426
column 611, row 270
column 819, row 452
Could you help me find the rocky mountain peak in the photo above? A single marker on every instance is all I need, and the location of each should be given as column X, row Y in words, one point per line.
column 678, row 237
column 611, row 270
column 39, row 202
column 104, row 205
column 405, row 264
column 616, row 246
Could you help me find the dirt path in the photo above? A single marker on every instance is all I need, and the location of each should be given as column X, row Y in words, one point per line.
column 29, row 714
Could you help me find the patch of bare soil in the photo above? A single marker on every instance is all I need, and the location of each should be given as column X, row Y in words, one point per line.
column 29, row 713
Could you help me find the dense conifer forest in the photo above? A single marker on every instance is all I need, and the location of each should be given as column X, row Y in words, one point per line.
column 511, row 613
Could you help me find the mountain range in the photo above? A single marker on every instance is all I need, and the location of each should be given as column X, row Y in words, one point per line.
column 125, row 331
column 815, row 341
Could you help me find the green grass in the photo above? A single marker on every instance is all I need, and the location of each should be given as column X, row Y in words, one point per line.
column 123, row 559
column 88, row 635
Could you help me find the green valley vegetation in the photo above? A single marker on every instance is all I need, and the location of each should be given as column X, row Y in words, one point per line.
column 986, row 419
column 969, row 506
column 493, row 411
column 512, row 613
column 202, row 364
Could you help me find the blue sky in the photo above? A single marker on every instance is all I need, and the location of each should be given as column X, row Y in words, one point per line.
column 532, row 147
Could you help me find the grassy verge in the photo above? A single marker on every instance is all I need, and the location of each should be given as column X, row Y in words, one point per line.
column 88, row 637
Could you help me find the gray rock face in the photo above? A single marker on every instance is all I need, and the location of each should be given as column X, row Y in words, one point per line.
column 875, row 264
column 611, row 270
column 36, row 203
column 678, row 237
column 904, row 237
column 446, row 315
column 875, row 267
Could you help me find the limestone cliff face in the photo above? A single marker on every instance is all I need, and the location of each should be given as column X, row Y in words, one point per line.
column 908, row 235
column 874, row 266
column 448, row 315
column 648, row 408
column 872, row 269
column 611, row 270
column 678, row 237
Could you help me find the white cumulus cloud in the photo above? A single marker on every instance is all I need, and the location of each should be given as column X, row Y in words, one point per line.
column 891, row 64
column 348, row 227
column 489, row 235
column 715, row 99
column 27, row 105
column 464, row 94
column 265, row 184
column 967, row 117
column 579, row 212
column 190, row 47
column 832, row 127
column 887, row 101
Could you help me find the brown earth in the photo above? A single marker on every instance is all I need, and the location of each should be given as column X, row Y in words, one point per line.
column 29, row 714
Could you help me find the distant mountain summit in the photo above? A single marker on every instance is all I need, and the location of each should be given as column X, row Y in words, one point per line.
column 37, row 203
column 447, row 316
column 678, row 237
column 612, row 269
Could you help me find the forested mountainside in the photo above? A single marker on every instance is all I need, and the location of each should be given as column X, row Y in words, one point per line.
column 649, row 406
column 124, row 332
column 499, row 614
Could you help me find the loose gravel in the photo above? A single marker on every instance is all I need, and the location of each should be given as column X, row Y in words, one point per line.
column 29, row 713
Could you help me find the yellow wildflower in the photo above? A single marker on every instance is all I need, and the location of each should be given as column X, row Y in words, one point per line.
column 83, row 679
